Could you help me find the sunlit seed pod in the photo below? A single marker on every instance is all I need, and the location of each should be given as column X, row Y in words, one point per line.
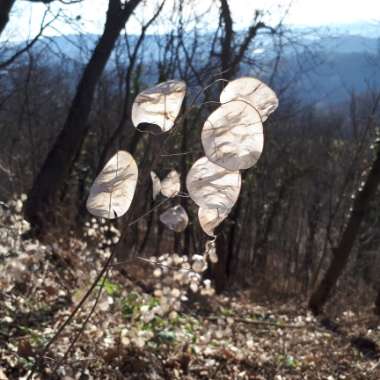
column 176, row 293
column 255, row 92
column 195, row 277
column 148, row 317
column 156, row 184
column 171, row 184
column 124, row 339
column 173, row 315
column 166, row 290
column 159, row 105
column 199, row 264
column 209, row 219
column 194, row 287
column 232, row 136
column 163, row 257
column 175, row 218
column 113, row 189
column 177, row 259
column 144, row 308
column 139, row 342
column 157, row 272
column 211, row 253
column 177, row 276
column 213, row 187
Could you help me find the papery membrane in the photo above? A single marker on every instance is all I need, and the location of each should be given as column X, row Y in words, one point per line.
column 113, row 189
column 159, row 105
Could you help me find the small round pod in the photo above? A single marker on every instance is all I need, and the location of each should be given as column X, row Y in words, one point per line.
column 175, row 218
column 209, row 219
column 171, row 184
column 257, row 93
column 232, row 136
column 159, row 105
column 112, row 192
column 212, row 187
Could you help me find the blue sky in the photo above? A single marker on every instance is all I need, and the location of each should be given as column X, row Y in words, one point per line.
column 26, row 17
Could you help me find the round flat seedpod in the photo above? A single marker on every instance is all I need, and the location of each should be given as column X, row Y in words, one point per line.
column 175, row 218
column 159, row 105
column 171, row 184
column 257, row 93
column 156, row 184
column 232, row 136
column 212, row 187
column 209, row 219
column 113, row 189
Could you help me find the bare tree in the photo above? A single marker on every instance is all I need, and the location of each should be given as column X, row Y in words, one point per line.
column 341, row 253
column 6, row 7
column 28, row 44
column 58, row 164
column 132, row 61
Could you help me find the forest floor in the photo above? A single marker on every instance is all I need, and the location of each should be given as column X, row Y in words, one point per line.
column 215, row 337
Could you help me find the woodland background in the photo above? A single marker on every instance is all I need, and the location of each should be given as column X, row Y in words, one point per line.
column 65, row 105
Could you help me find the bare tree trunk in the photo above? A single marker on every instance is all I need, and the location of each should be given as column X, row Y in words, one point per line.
column 218, row 270
column 312, row 220
column 5, row 8
column 377, row 303
column 57, row 166
column 233, row 237
column 226, row 53
column 127, row 99
column 342, row 252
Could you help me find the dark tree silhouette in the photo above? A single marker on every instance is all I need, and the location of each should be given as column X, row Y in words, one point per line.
column 342, row 252
column 5, row 8
column 57, row 166
column 377, row 303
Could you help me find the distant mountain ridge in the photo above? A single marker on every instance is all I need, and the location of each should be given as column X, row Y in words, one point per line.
column 347, row 62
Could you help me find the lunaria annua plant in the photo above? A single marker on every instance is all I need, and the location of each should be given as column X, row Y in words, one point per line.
column 232, row 139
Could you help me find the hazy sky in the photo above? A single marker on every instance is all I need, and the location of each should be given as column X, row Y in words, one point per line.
column 26, row 17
